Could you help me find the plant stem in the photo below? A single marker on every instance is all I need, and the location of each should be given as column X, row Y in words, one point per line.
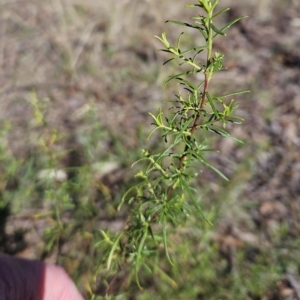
column 192, row 131
column 207, row 78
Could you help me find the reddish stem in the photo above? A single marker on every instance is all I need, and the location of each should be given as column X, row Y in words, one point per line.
column 193, row 129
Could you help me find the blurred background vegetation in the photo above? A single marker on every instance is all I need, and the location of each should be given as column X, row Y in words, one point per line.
column 77, row 81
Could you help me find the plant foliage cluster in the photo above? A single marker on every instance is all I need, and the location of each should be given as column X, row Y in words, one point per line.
column 164, row 196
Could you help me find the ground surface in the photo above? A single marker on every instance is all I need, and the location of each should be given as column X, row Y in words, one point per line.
column 96, row 63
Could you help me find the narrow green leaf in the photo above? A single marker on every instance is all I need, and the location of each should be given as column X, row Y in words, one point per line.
column 235, row 122
column 195, row 56
column 165, row 276
column 194, row 49
column 211, row 102
column 230, row 24
column 168, row 61
column 152, row 131
column 139, row 257
column 205, row 6
column 216, row 30
column 193, row 5
column 187, row 188
column 178, row 40
column 204, row 161
column 232, row 94
column 220, row 12
column 153, row 211
column 165, row 241
column 158, row 119
column 140, row 159
column 214, row 4
column 198, row 18
column 187, row 123
column 177, row 76
column 112, row 251
column 204, row 33
column 164, row 50
column 224, row 133
column 184, row 24
column 177, row 140
column 163, row 39
column 151, row 233
column 188, row 83
column 129, row 190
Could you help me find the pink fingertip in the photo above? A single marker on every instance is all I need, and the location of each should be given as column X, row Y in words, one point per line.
column 58, row 285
